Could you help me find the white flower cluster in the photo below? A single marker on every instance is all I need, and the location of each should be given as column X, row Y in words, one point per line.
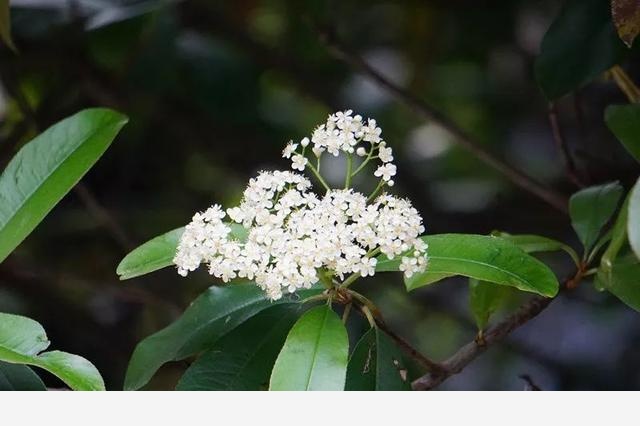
column 344, row 132
column 294, row 237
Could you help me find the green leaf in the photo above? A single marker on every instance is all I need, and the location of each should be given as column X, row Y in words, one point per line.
column 623, row 281
column 21, row 340
column 626, row 17
column 591, row 208
column 536, row 243
column 633, row 223
column 484, row 299
column 618, row 238
column 212, row 315
column 315, row 354
column 580, row 44
column 376, row 365
column 159, row 252
column 5, row 24
column 16, row 377
column 46, row 168
column 624, row 122
column 486, row 258
column 243, row 359
column 151, row 256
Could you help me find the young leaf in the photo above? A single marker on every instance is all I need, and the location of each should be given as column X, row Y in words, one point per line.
column 244, row 358
column 580, row 44
column 212, row 315
column 482, row 257
column 591, row 208
column 624, row 122
column 46, row 168
column 633, row 222
column 315, row 354
column 21, row 341
column 5, row 24
column 535, row 243
column 151, row 256
column 484, row 299
column 623, row 281
column 376, row 365
column 16, row 377
column 159, row 252
column 626, row 17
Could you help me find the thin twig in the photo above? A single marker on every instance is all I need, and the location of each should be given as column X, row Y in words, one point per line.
column 561, row 142
column 427, row 112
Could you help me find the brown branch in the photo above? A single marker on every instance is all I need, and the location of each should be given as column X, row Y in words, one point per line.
column 427, row 363
column 561, row 142
column 426, row 111
column 456, row 363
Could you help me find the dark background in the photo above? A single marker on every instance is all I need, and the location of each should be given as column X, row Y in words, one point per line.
column 215, row 89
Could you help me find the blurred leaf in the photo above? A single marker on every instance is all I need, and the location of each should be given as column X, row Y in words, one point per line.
column 212, row 315
column 315, row 354
column 580, row 44
column 21, row 339
column 633, row 227
column 5, row 24
column 16, row 377
column 159, row 252
column 591, row 208
column 536, row 243
column 626, row 17
column 243, row 359
column 482, row 257
column 46, row 168
column 624, row 122
column 623, row 281
column 484, row 299
column 376, row 365
column 618, row 238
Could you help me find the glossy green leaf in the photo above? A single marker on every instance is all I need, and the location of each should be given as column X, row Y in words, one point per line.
column 486, row 258
column 580, row 44
column 633, row 222
column 46, row 168
column 376, row 365
column 536, row 243
column 158, row 253
column 624, row 122
column 590, row 210
column 315, row 354
column 244, row 358
column 212, row 315
column 623, row 281
column 21, row 342
column 484, row 299
column 16, row 377
column 5, row 24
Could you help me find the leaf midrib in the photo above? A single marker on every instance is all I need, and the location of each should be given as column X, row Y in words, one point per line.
column 477, row 262
column 315, row 348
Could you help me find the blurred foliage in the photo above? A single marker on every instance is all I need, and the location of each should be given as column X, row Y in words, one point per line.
column 215, row 89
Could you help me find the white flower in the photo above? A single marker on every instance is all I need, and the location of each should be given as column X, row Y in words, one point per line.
column 292, row 233
column 386, row 171
column 385, row 153
column 298, row 162
column 289, row 149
